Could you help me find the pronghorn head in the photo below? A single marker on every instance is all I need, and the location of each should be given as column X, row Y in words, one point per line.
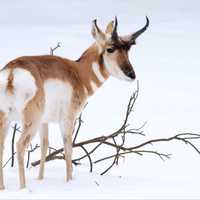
column 114, row 49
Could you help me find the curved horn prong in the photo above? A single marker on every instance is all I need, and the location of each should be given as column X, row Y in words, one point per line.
column 139, row 32
column 96, row 31
column 95, row 23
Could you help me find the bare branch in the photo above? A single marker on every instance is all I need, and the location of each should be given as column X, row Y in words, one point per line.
column 122, row 149
column 9, row 159
column 13, row 146
column 88, row 155
column 53, row 49
column 78, row 128
column 29, row 153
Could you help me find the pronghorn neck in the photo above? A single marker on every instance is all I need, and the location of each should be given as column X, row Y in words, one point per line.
column 91, row 69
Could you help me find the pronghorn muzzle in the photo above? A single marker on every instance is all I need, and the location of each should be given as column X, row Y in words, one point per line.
column 131, row 74
column 129, row 71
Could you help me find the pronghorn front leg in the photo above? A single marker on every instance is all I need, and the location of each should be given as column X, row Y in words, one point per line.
column 44, row 144
column 2, row 138
column 1, row 158
column 66, row 127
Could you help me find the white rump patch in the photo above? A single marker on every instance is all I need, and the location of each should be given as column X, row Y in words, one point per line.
column 24, row 83
column 24, row 89
column 96, row 70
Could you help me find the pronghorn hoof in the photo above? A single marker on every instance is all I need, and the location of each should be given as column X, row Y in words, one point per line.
column 22, row 187
column 68, row 179
column 40, row 178
column 2, row 187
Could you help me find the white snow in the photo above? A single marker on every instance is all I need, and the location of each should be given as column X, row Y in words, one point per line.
column 166, row 61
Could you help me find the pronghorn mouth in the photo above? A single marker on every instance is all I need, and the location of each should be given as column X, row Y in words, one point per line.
column 131, row 74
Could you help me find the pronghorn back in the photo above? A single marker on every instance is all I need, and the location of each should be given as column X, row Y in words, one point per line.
column 55, row 76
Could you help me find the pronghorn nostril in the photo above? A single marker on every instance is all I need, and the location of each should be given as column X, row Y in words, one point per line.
column 131, row 74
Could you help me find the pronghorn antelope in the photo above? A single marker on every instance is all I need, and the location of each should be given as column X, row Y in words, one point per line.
column 38, row 90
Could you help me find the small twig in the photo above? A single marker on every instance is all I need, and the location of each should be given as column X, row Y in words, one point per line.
column 96, row 183
column 92, row 151
column 89, row 158
column 139, row 152
column 112, row 164
column 9, row 159
column 52, row 148
column 53, row 49
column 80, row 121
column 13, row 146
column 29, row 153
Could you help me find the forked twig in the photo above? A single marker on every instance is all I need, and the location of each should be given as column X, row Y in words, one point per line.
column 53, row 49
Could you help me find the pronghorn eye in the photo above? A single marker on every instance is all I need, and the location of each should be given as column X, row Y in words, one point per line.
column 110, row 50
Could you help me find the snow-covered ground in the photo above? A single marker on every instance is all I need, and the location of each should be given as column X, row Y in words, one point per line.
column 167, row 64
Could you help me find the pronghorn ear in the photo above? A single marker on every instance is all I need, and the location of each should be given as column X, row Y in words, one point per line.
column 98, row 35
column 109, row 28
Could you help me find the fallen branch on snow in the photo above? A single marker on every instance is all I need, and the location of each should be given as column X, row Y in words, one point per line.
column 120, row 148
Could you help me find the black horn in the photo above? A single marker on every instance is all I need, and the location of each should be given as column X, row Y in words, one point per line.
column 114, row 33
column 95, row 23
column 139, row 32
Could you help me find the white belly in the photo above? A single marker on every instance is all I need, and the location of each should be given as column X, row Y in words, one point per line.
column 57, row 98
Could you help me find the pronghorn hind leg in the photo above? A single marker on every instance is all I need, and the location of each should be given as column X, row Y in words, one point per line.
column 44, row 144
column 31, row 122
column 29, row 131
column 3, row 127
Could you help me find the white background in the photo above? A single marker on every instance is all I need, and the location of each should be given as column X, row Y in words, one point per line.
column 166, row 61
